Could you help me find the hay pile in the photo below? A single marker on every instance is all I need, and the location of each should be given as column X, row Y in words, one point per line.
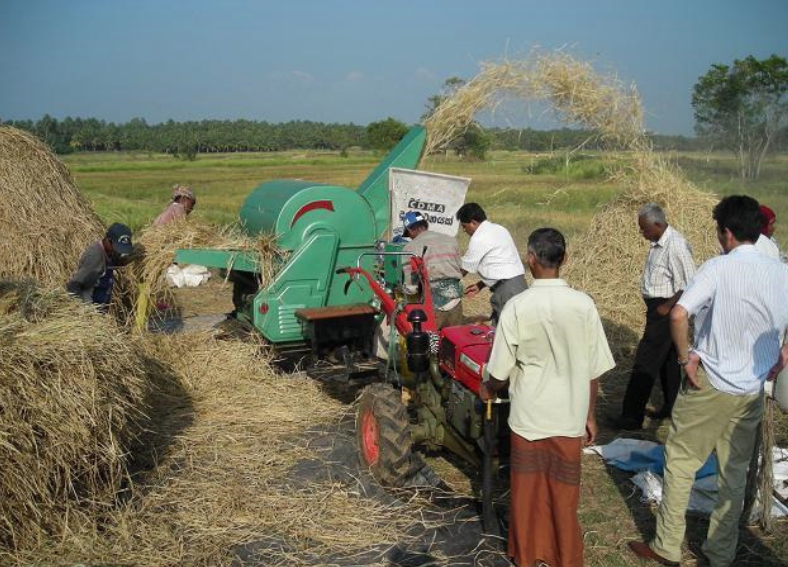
column 45, row 222
column 607, row 262
column 577, row 93
column 155, row 251
column 71, row 389
column 226, row 429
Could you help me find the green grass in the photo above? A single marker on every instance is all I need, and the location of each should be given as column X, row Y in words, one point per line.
column 580, row 166
column 134, row 187
column 718, row 174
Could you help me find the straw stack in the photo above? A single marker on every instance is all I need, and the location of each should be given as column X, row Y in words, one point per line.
column 71, row 389
column 45, row 222
column 155, row 252
column 607, row 262
column 226, row 430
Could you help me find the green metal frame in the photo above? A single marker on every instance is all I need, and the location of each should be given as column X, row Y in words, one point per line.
column 319, row 228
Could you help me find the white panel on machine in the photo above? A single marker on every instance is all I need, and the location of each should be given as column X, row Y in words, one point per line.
column 435, row 195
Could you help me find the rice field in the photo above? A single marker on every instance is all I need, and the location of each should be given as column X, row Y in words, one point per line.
column 134, row 188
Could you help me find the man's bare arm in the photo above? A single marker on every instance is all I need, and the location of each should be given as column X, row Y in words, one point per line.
column 782, row 361
column 665, row 307
column 491, row 387
column 591, row 427
column 679, row 332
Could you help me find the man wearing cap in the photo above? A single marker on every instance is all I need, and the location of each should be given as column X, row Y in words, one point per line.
column 93, row 280
column 442, row 259
column 183, row 201
column 493, row 255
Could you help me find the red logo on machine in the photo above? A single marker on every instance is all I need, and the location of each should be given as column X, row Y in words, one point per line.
column 327, row 205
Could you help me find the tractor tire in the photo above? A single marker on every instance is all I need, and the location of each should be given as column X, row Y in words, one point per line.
column 383, row 434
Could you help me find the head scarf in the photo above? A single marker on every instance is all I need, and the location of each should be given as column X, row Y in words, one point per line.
column 182, row 191
column 767, row 216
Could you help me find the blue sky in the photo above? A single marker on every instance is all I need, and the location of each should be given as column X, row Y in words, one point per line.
column 349, row 61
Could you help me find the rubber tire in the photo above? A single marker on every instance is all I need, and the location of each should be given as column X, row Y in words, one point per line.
column 383, row 404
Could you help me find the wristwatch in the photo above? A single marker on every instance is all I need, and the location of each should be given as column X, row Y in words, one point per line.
column 683, row 363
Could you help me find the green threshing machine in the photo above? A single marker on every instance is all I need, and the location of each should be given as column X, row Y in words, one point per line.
column 319, row 228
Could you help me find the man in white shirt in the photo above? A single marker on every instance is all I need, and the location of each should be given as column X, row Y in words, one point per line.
column 669, row 267
column 740, row 304
column 549, row 349
column 493, row 255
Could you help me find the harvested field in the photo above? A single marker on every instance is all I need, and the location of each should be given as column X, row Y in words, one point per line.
column 45, row 222
column 238, row 464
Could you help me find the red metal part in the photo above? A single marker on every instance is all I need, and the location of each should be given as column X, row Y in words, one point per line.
column 369, row 438
column 327, row 205
column 471, row 352
column 389, row 306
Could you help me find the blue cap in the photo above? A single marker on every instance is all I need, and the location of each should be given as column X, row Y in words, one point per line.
column 119, row 236
column 411, row 218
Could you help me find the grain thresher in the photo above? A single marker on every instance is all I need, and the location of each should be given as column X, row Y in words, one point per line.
column 311, row 306
column 318, row 228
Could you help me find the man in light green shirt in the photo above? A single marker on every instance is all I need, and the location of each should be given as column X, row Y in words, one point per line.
column 550, row 349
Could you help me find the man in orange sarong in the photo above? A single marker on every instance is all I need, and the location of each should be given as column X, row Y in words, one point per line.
column 549, row 349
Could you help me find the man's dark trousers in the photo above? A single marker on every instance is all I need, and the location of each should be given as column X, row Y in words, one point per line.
column 655, row 357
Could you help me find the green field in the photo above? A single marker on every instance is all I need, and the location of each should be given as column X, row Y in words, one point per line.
column 521, row 191
column 514, row 188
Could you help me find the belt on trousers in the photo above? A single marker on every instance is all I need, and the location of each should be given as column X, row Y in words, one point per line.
column 499, row 283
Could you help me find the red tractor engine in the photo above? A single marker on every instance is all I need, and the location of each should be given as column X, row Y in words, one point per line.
column 464, row 352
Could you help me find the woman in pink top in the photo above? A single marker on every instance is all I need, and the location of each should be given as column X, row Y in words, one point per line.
column 183, row 201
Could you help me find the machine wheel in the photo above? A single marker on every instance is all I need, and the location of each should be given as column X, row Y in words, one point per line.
column 383, row 434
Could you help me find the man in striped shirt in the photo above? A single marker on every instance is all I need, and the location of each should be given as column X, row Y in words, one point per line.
column 740, row 304
column 669, row 267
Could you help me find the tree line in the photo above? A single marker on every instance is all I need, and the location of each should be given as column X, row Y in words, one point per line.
column 191, row 137
column 210, row 136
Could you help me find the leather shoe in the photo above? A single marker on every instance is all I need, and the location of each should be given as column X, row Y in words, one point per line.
column 643, row 551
